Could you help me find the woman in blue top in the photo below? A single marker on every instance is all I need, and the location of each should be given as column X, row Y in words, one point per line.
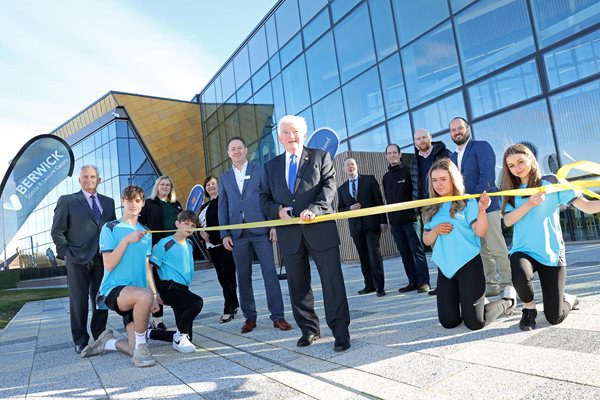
column 454, row 229
column 538, row 244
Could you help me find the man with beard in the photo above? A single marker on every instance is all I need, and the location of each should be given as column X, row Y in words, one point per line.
column 475, row 160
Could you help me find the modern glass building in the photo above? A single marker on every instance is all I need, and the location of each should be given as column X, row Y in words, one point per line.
column 132, row 139
column 377, row 70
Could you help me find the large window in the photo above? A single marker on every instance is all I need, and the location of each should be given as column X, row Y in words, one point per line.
column 295, row 86
column 329, row 112
column 491, row 34
column 555, row 20
column 383, row 27
column 431, row 66
column 363, row 102
column 436, row 117
column 393, row 86
column 416, row 17
column 322, row 68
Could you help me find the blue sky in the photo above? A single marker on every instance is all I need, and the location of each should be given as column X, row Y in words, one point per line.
column 57, row 57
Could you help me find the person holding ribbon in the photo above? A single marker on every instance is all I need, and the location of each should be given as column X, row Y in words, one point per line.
column 221, row 257
column 159, row 213
column 454, row 230
column 538, row 244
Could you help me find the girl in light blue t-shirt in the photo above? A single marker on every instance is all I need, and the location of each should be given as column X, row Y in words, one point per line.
column 454, row 229
column 538, row 244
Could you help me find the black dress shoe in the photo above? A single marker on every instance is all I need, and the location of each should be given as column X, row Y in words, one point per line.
column 408, row 288
column 341, row 344
column 306, row 340
column 433, row 292
column 424, row 288
column 366, row 291
column 79, row 348
column 380, row 293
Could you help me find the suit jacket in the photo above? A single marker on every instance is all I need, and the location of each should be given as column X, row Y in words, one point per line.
column 478, row 169
column 315, row 190
column 74, row 230
column 235, row 207
column 369, row 195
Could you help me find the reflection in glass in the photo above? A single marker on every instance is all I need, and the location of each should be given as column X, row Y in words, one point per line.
column 278, row 98
column 261, row 77
column 275, row 65
column 529, row 123
column 400, row 131
column 459, row 4
column 416, row 17
column 555, row 20
column 227, row 81
column 436, row 117
column 288, row 20
column 502, row 90
column 264, row 96
column 257, row 49
column 295, row 86
column 123, row 156
column 354, row 42
column 431, row 66
column 241, row 66
column 573, row 61
column 271, row 34
column 339, row 8
column 575, row 113
column 322, row 67
column 309, row 9
column 383, row 27
column 137, row 157
column 363, row 102
column 290, row 50
column 329, row 113
column 393, row 86
column 244, row 92
column 506, row 38
column 316, row 27
column 372, row 140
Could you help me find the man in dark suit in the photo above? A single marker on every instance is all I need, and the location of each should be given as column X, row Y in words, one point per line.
column 477, row 162
column 357, row 192
column 78, row 218
column 301, row 183
column 239, row 202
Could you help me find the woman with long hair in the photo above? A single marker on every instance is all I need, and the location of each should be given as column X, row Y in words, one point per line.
column 453, row 230
column 159, row 213
column 538, row 244
column 221, row 257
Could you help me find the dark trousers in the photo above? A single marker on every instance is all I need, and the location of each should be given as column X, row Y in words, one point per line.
column 185, row 304
column 84, row 281
column 462, row 298
column 412, row 252
column 552, row 281
column 225, row 269
column 160, row 312
column 371, row 263
column 335, row 301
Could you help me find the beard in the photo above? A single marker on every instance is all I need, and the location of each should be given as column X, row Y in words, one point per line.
column 459, row 141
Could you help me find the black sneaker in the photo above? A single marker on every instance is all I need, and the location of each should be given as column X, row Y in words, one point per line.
column 527, row 322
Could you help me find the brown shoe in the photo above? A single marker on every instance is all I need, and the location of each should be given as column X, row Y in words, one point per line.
column 282, row 324
column 248, row 326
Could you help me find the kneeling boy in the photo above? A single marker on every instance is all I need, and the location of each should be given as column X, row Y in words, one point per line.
column 127, row 287
column 173, row 257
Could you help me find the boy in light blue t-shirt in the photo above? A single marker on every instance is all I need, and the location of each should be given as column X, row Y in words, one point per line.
column 127, row 287
column 173, row 257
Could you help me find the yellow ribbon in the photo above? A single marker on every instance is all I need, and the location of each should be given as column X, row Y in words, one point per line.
column 587, row 166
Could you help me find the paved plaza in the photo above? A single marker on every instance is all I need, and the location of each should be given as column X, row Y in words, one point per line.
column 399, row 351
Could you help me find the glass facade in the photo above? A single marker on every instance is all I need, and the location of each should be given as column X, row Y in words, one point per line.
column 117, row 153
column 377, row 70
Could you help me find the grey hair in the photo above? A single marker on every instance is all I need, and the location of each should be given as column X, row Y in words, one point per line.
column 91, row 166
column 297, row 121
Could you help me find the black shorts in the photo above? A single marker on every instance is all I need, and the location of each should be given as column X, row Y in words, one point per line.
column 111, row 302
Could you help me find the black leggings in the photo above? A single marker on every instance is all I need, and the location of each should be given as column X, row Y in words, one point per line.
column 225, row 269
column 185, row 304
column 552, row 280
column 465, row 292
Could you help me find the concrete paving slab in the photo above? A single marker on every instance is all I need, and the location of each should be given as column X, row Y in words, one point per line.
column 564, row 391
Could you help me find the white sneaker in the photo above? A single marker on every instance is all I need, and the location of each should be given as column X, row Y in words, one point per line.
column 98, row 346
column 510, row 294
column 572, row 300
column 183, row 345
column 142, row 357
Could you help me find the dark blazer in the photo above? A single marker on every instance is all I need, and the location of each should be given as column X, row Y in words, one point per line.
column 152, row 217
column 315, row 190
column 369, row 195
column 397, row 188
column 212, row 219
column 478, row 169
column 74, row 230
column 236, row 207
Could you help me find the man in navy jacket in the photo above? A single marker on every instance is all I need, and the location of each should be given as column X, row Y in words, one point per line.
column 476, row 160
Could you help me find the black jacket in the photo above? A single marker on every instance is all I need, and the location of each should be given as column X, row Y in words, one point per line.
column 212, row 219
column 368, row 195
column 397, row 188
column 439, row 151
column 151, row 216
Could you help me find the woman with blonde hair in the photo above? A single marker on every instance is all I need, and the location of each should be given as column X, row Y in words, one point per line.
column 453, row 230
column 159, row 213
column 538, row 244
